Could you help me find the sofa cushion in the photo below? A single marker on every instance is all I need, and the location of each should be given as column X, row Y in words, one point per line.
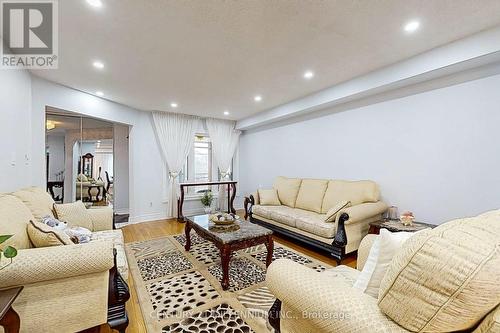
column 115, row 236
column 287, row 188
column 269, row 197
column 41, row 235
column 385, row 247
column 38, row 201
column 345, row 273
column 315, row 224
column 311, row 194
column 14, row 219
column 445, row 279
column 357, row 192
column 75, row 214
column 281, row 214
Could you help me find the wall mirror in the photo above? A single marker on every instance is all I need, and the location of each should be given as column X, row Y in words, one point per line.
column 79, row 158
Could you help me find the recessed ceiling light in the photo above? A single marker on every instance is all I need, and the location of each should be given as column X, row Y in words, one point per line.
column 98, row 64
column 257, row 98
column 99, row 93
column 412, row 26
column 308, row 75
column 226, row 113
column 95, row 3
column 174, row 105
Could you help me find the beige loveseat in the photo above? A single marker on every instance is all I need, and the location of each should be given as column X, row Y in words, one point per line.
column 442, row 280
column 304, row 204
column 67, row 288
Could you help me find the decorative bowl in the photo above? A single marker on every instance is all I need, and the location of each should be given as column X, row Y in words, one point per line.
column 223, row 218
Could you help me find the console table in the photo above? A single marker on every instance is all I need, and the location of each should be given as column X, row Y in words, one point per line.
column 231, row 194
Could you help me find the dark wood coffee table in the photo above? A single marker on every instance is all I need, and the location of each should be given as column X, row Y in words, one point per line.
column 9, row 319
column 247, row 235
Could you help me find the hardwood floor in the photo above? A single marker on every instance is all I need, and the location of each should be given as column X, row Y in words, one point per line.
column 150, row 230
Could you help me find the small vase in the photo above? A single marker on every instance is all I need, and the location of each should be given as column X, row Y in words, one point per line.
column 407, row 220
column 208, row 209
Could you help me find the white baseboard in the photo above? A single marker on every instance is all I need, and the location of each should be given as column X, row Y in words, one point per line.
column 148, row 217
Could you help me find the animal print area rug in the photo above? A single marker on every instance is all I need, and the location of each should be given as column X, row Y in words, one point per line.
column 180, row 291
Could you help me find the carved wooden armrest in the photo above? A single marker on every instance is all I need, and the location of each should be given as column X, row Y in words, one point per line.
column 118, row 295
column 340, row 240
column 248, row 203
column 274, row 315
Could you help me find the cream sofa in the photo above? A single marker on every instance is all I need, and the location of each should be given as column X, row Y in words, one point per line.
column 304, row 204
column 66, row 288
column 442, row 280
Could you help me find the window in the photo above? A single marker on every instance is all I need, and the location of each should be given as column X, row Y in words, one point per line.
column 200, row 166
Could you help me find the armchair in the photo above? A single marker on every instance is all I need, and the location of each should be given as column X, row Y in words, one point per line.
column 68, row 287
column 442, row 280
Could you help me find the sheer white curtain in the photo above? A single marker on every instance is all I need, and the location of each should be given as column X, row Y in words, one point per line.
column 176, row 137
column 224, row 139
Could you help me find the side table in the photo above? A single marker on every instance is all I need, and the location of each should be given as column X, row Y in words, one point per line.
column 397, row 226
column 9, row 319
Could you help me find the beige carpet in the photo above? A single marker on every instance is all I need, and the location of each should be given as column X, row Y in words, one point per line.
column 180, row 291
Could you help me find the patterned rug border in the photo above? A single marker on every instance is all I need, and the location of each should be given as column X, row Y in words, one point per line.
column 231, row 298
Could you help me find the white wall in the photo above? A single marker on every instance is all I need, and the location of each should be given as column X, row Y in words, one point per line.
column 55, row 147
column 145, row 162
column 15, row 136
column 121, row 169
column 436, row 153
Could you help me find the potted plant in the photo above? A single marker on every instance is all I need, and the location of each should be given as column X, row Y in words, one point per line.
column 206, row 200
column 9, row 252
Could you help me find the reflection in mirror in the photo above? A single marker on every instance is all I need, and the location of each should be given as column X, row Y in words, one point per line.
column 79, row 154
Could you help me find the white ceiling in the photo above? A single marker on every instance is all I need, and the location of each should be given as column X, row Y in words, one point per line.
column 215, row 55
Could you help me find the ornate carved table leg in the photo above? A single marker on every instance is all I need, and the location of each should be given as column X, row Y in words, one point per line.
column 270, row 248
column 233, row 195
column 225, row 254
column 180, row 214
column 187, row 231
column 10, row 321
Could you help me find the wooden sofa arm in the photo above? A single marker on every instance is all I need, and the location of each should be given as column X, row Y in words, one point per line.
column 248, row 203
column 340, row 239
column 118, row 295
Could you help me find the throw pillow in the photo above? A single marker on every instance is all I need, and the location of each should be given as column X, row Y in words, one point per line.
column 331, row 215
column 75, row 214
column 82, row 235
column 445, row 279
column 385, row 247
column 41, row 235
column 269, row 198
column 54, row 223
